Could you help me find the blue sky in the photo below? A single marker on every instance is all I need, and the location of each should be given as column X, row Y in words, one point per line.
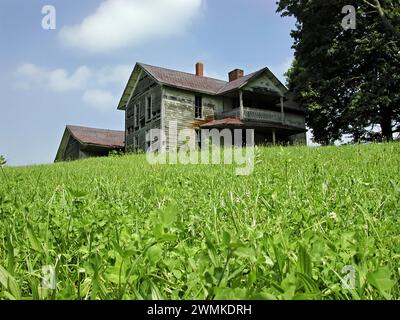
column 76, row 73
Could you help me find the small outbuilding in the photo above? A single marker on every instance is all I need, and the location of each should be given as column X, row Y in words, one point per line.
column 81, row 142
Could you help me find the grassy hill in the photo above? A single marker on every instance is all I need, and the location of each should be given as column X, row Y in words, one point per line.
column 119, row 228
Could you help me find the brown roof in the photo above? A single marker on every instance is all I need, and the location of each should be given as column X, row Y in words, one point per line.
column 236, row 84
column 98, row 137
column 184, row 80
column 192, row 82
column 188, row 81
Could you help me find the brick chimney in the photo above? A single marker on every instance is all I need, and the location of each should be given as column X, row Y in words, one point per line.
column 199, row 69
column 235, row 74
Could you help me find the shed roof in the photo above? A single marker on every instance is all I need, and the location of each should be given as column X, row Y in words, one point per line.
column 98, row 137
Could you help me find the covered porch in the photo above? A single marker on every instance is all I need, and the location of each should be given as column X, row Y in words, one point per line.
column 264, row 133
column 264, row 107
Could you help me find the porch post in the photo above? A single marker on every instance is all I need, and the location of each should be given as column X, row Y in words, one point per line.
column 282, row 111
column 273, row 137
column 241, row 105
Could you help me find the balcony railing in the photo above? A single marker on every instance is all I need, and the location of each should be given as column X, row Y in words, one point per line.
column 260, row 115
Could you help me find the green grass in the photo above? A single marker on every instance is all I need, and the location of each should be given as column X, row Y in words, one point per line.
column 118, row 228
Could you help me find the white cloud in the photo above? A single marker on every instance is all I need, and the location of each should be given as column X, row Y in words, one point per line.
column 121, row 23
column 30, row 70
column 118, row 75
column 59, row 80
column 102, row 100
column 100, row 89
column 56, row 80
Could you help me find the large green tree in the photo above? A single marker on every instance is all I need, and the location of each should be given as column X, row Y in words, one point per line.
column 349, row 80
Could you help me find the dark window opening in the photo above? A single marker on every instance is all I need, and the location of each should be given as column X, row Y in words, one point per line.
column 148, row 108
column 198, row 108
column 148, row 139
column 137, row 115
column 198, row 139
column 235, row 103
column 136, row 143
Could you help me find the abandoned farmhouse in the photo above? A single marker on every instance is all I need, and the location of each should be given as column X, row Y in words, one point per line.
column 155, row 98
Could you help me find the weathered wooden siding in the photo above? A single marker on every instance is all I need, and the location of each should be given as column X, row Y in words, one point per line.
column 263, row 84
column 145, row 88
column 76, row 151
column 179, row 106
column 72, row 150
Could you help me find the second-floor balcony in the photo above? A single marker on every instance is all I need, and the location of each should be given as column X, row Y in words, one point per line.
column 266, row 116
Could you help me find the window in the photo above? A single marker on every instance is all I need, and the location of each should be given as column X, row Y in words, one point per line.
column 136, row 115
column 198, row 107
column 148, row 108
column 130, row 112
column 235, row 103
column 136, row 143
column 198, row 139
column 148, row 139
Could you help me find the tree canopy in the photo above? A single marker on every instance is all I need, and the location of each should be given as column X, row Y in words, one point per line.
column 348, row 79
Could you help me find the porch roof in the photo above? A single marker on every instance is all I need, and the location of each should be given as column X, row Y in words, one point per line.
column 222, row 123
column 230, row 123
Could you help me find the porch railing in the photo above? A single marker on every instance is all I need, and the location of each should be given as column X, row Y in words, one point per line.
column 260, row 115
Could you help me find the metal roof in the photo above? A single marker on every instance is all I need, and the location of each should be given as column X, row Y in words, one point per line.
column 184, row 80
column 98, row 137
column 189, row 81
column 237, row 84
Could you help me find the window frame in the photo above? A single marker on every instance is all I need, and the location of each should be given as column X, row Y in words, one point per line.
column 198, row 107
column 136, row 143
column 149, row 108
column 136, row 115
column 148, row 143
